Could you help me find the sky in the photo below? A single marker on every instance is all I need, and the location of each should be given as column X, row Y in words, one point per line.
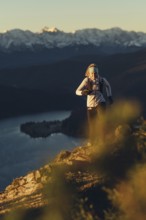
column 72, row 15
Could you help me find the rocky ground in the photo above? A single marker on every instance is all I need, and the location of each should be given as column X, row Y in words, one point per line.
column 28, row 191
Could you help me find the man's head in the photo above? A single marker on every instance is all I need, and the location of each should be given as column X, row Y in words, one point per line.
column 92, row 71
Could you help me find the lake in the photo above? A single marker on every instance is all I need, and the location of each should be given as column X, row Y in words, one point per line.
column 19, row 153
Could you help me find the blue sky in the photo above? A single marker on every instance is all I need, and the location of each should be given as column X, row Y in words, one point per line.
column 71, row 15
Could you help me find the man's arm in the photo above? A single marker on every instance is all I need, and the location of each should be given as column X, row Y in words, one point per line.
column 83, row 88
column 108, row 91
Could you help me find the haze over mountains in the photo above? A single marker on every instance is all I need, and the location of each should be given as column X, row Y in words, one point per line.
column 20, row 48
column 40, row 71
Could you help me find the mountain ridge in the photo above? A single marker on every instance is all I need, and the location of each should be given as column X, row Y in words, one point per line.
column 17, row 39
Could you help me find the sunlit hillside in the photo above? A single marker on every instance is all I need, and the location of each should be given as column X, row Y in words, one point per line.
column 29, row 88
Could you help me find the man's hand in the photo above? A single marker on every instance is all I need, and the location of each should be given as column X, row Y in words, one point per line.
column 86, row 92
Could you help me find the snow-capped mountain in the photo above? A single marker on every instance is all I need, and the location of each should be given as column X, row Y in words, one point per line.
column 16, row 39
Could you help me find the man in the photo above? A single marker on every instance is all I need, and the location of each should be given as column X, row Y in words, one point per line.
column 92, row 86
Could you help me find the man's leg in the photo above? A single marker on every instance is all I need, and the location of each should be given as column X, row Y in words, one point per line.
column 92, row 119
column 101, row 121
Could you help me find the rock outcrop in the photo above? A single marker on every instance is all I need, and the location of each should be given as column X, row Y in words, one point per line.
column 77, row 168
column 27, row 191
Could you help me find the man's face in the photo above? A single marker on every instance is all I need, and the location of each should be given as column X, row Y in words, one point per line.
column 93, row 75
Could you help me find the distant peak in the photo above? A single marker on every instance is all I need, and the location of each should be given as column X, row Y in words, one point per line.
column 47, row 29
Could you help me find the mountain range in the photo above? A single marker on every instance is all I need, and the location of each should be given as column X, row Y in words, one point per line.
column 21, row 48
column 17, row 39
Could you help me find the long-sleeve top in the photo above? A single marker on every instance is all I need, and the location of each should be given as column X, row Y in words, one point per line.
column 96, row 96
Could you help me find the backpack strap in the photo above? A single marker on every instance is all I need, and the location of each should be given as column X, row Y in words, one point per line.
column 101, row 84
